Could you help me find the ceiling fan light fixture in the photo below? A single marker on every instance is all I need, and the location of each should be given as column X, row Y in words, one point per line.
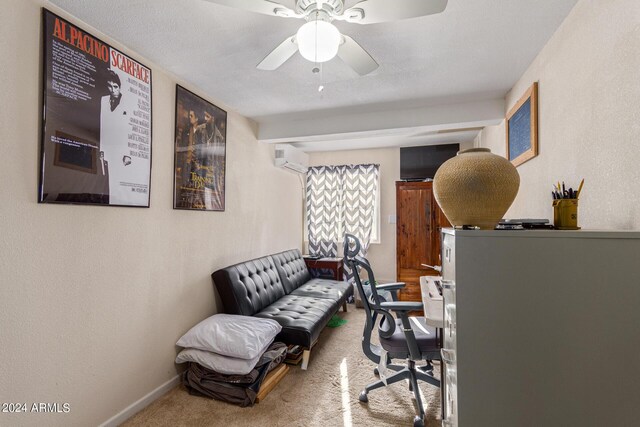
column 318, row 41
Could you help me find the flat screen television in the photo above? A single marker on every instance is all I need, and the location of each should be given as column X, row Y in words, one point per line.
column 420, row 163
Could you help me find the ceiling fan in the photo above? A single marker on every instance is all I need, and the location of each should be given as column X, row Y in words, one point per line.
column 319, row 40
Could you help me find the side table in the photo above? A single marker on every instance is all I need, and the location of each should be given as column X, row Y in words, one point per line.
column 333, row 264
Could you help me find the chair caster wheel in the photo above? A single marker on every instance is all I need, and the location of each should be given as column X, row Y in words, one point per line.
column 376, row 372
column 418, row 421
column 363, row 397
column 427, row 369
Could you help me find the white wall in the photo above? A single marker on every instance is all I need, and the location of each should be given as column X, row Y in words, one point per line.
column 589, row 118
column 93, row 298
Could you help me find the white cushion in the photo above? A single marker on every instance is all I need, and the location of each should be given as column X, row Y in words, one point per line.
column 242, row 337
column 216, row 362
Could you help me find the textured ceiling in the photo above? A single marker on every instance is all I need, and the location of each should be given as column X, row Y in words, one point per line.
column 474, row 50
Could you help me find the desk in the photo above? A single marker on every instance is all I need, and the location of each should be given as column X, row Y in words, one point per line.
column 432, row 301
column 333, row 264
column 434, row 316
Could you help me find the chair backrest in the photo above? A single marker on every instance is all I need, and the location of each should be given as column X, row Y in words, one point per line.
column 371, row 305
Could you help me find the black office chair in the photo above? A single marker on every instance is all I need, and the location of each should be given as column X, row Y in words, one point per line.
column 396, row 335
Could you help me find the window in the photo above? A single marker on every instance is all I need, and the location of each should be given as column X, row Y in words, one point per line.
column 342, row 199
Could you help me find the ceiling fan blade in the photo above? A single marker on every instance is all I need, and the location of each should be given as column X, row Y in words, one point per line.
column 374, row 11
column 265, row 7
column 279, row 55
column 356, row 57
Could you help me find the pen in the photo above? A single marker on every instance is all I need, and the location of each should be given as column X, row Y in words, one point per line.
column 580, row 188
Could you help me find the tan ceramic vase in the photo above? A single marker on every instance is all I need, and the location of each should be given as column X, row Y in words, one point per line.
column 476, row 188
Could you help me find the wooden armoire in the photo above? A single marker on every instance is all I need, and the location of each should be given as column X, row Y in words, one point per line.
column 419, row 220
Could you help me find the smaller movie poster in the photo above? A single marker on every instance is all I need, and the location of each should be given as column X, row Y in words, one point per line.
column 200, row 153
column 96, row 136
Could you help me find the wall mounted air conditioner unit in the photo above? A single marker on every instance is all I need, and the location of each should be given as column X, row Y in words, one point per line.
column 291, row 158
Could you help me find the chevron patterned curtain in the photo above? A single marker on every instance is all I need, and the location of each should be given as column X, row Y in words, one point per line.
column 340, row 199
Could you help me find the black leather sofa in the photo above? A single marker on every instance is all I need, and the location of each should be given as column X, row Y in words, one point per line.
column 280, row 287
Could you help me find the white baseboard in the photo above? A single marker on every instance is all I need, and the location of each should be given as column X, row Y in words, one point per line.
column 141, row 403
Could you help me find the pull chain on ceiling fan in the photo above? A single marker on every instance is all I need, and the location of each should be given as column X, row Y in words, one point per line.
column 318, row 40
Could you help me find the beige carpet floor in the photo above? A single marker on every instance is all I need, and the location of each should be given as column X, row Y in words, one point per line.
column 324, row 395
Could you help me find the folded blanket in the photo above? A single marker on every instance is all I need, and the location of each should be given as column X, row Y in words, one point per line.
column 236, row 389
column 275, row 355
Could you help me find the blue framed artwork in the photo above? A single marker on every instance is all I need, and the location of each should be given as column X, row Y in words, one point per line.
column 522, row 128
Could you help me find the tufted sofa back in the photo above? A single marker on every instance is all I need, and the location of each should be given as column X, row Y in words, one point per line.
column 292, row 269
column 249, row 287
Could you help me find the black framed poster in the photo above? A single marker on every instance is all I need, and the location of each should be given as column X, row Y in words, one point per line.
column 200, row 153
column 96, row 127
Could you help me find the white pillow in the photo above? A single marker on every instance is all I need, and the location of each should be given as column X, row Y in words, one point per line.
column 216, row 362
column 242, row 337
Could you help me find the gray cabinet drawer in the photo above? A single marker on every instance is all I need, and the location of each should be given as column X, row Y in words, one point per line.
column 450, row 388
column 448, row 257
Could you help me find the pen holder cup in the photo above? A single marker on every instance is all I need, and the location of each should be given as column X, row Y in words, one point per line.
column 565, row 214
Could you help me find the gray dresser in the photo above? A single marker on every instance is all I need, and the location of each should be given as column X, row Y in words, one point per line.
column 542, row 328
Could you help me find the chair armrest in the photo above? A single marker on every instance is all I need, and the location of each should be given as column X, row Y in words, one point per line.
column 402, row 310
column 402, row 306
column 390, row 286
